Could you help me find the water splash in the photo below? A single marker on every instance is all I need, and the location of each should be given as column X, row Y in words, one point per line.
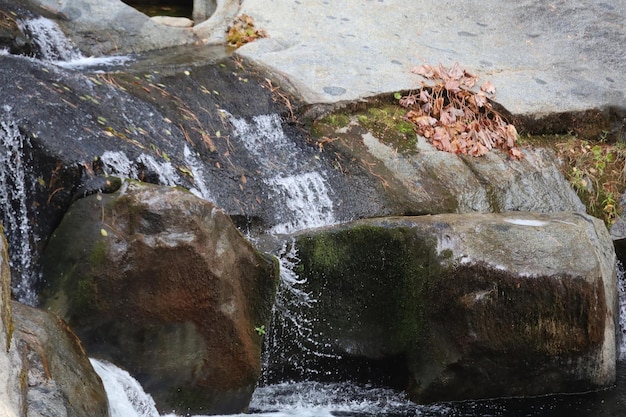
column 293, row 322
column 126, row 396
column 15, row 187
column 201, row 189
column 50, row 39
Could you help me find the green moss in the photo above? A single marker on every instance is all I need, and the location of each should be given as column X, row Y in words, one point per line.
column 327, row 254
column 337, row 120
column 99, row 253
column 83, row 296
column 373, row 282
column 388, row 125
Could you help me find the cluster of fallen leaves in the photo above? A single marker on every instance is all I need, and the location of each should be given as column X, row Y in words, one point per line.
column 455, row 118
column 242, row 31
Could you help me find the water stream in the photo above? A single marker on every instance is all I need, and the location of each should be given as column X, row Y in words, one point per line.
column 307, row 202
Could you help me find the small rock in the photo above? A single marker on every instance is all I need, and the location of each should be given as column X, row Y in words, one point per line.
column 177, row 22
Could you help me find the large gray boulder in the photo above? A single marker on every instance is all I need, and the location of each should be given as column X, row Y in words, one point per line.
column 105, row 27
column 161, row 283
column 454, row 307
column 564, row 64
column 425, row 180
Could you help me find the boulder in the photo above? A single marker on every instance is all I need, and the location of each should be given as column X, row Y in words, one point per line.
column 179, row 22
column 60, row 380
column 454, row 307
column 161, row 283
column 425, row 180
column 10, row 361
column 43, row 368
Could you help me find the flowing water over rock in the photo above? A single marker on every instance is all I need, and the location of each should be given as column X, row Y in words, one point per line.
column 15, row 187
column 54, row 47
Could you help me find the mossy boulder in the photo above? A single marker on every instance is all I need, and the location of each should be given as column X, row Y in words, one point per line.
column 161, row 283
column 454, row 307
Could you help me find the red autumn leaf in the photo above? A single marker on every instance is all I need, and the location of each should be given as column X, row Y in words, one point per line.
column 447, row 118
column 453, row 85
column 511, row 136
column 480, row 98
column 424, row 70
column 515, row 153
column 454, row 118
column 488, row 88
column 456, row 72
column 407, row 101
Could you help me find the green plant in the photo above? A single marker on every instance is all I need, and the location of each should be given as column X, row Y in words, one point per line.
column 597, row 174
column 260, row 330
column 455, row 118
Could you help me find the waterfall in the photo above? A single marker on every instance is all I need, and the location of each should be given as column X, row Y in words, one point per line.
column 52, row 43
column 118, row 164
column 56, row 48
column 201, row 189
column 126, row 396
column 15, row 187
column 300, row 194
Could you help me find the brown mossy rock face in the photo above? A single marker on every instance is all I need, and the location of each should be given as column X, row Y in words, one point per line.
column 161, row 283
column 58, row 379
column 454, row 307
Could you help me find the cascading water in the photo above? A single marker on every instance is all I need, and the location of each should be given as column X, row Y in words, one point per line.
column 300, row 193
column 55, row 47
column 293, row 321
column 126, row 396
column 15, row 186
column 51, row 41
column 303, row 200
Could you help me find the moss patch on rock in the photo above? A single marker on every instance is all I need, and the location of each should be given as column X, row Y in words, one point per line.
column 385, row 272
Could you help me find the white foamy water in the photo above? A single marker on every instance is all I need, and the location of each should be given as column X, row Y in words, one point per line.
column 303, row 399
column 201, row 189
column 118, row 164
column 126, row 396
column 305, row 197
column 301, row 196
column 15, row 186
column 56, row 48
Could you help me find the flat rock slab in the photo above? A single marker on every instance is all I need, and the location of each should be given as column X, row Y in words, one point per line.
column 543, row 57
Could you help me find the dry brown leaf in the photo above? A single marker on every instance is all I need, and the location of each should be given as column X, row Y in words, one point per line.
column 488, row 88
